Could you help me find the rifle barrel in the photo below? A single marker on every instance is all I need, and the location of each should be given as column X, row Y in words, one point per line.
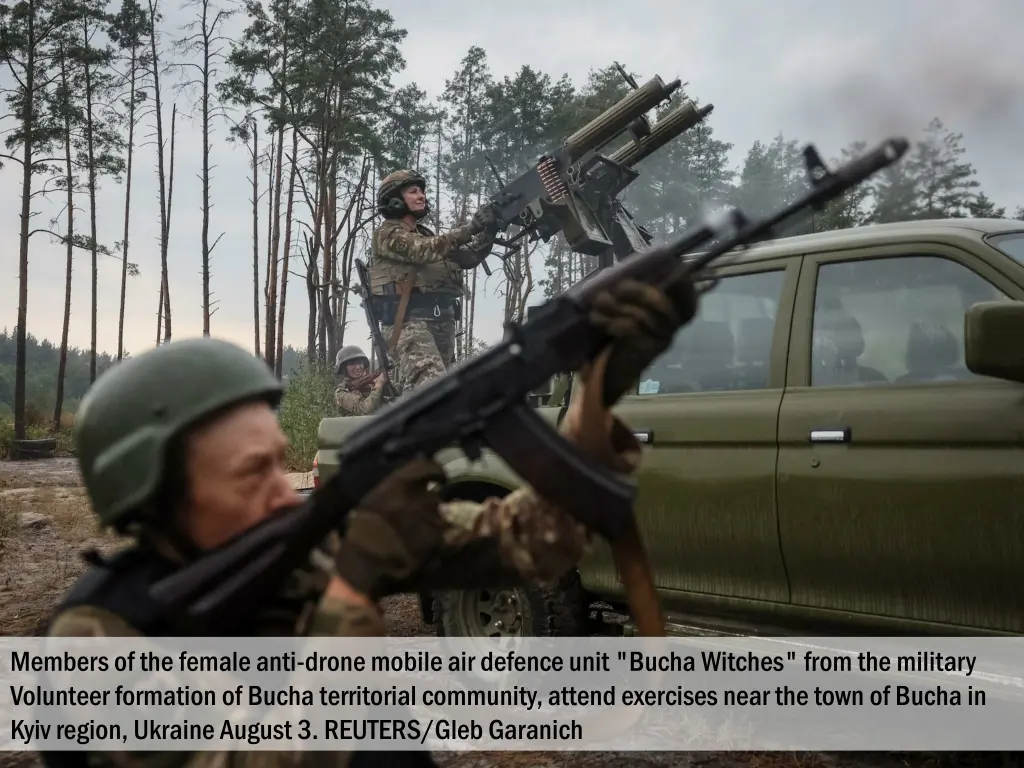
column 618, row 117
column 680, row 119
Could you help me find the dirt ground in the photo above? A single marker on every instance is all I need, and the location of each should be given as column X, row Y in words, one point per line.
column 45, row 524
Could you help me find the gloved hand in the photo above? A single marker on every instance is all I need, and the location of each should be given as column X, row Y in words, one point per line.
column 484, row 219
column 394, row 530
column 642, row 321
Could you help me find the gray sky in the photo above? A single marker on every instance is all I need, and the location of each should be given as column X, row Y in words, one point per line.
column 825, row 72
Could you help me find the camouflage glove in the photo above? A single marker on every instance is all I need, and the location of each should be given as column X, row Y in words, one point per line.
column 642, row 321
column 394, row 530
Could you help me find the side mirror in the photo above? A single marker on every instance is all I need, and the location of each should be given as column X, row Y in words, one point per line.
column 992, row 334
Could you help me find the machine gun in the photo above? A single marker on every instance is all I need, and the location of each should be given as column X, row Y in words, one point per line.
column 380, row 346
column 573, row 189
column 483, row 402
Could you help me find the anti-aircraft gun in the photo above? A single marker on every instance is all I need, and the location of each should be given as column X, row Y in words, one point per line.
column 574, row 188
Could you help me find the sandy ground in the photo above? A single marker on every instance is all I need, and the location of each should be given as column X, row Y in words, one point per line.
column 45, row 524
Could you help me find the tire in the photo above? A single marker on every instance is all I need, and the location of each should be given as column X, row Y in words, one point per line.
column 558, row 610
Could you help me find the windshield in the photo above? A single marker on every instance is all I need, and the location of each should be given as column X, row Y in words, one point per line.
column 1012, row 244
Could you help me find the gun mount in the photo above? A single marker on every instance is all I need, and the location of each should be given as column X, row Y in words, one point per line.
column 573, row 189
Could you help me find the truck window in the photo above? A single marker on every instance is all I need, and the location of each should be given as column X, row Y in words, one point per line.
column 893, row 320
column 728, row 344
column 1012, row 244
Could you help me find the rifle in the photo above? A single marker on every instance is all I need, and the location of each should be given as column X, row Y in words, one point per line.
column 573, row 189
column 483, row 402
column 376, row 337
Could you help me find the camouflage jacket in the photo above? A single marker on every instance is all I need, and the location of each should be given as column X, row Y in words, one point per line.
column 527, row 539
column 354, row 402
column 436, row 261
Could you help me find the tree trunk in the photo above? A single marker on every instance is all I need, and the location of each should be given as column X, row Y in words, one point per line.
column 288, row 214
column 160, row 170
column 90, row 146
column 255, row 241
column 270, row 342
column 127, row 208
column 206, row 176
column 167, row 233
column 62, row 363
column 270, row 227
column 27, row 122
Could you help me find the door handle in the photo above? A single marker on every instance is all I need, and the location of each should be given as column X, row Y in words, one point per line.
column 830, row 435
column 644, row 436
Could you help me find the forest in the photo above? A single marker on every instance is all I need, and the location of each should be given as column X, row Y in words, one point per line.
column 95, row 91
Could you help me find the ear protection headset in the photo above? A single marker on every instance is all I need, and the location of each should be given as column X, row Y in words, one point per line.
column 394, row 206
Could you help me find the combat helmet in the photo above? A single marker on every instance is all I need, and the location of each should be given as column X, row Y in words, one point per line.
column 390, row 204
column 129, row 418
column 349, row 354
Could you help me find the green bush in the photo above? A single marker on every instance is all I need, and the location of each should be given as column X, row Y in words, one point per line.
column 308, row 398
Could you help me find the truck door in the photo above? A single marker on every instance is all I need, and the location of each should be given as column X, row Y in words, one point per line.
column 707, row 414
column 899, row 485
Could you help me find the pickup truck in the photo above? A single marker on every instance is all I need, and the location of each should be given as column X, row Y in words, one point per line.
column 819, row 454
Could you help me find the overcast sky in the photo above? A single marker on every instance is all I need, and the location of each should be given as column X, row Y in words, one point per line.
column 826, row 72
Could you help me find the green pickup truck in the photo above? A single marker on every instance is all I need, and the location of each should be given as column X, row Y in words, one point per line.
column 822, row 451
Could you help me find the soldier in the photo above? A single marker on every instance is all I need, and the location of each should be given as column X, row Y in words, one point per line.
column 181, row 449
column 359, row 392
column 416, row 277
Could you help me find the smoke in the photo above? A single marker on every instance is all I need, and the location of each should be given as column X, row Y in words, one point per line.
column 965, row 67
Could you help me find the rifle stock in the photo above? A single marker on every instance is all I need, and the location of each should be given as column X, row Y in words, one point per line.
column 376, row 337
column 482, row 402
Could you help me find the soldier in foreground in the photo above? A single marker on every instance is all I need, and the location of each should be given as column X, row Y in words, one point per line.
column 359, row 391
column 416, row 277
column 180, row 448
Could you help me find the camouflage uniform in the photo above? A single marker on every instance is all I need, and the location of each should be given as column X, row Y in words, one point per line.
column 518, row 538
column 404, row 249
column 352, row 401
column 356, row 402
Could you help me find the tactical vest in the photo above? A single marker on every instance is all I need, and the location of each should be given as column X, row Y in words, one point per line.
column 387, row 274
column 120, row 584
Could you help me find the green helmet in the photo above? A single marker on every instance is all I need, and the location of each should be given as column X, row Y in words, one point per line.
column 390, row 204
column 349, row 354
column 136, row 408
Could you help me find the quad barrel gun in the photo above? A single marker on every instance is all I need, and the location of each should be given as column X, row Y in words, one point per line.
column 574, row 188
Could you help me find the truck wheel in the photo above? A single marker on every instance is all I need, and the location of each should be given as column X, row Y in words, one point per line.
column 559, row 610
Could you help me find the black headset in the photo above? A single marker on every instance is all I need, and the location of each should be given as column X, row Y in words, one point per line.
column 394, row 207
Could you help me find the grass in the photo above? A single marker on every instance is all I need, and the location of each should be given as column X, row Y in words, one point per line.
column 308, row 399
column 38, row 427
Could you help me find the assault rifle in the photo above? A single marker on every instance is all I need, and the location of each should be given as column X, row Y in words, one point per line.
column 573, row 189
column 377, row 338
column 483, row 402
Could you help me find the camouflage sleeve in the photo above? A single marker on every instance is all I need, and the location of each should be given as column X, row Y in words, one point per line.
column 412, row 248
column 470, row 255
column 355, row 403
column 525, row 533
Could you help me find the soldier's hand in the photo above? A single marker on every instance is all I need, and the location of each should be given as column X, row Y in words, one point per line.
column 395, row 529
column 642, row 321
column 484, row 219
column 591, row 426
column 379, row 383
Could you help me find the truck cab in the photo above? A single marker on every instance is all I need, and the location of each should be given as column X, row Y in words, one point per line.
column 833, row 443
